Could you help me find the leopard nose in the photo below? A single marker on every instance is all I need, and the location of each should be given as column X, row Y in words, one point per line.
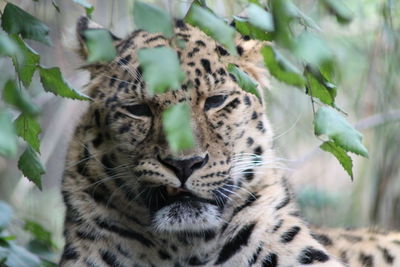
column 184, row 168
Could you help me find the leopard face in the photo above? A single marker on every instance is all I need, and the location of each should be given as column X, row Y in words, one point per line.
column 188, row 191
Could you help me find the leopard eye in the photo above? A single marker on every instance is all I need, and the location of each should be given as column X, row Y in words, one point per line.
column 139, row 110
column 214, row 101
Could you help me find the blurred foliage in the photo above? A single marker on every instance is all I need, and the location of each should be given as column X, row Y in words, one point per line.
column 100, row 45
column 244, row 81
column 89, row 8
column 40, row 250
column 176, row 122
column 212, row 25
column 161, row 76
column 152, row 19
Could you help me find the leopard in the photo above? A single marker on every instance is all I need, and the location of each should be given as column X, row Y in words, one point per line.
column 133, row 201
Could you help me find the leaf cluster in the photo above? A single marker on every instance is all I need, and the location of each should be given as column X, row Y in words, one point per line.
column 16, row 98
column 165, row 74
column 310, row 67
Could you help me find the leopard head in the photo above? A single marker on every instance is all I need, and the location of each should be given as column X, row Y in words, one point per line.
column 189, row 190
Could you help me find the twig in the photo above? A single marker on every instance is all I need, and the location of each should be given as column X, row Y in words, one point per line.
column 378, row 119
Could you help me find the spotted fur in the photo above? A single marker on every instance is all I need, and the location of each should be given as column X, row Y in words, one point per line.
column 127, row 205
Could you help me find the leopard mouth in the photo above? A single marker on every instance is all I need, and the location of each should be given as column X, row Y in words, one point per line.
column 183, row 195
column 173, row 191
column 162, row 196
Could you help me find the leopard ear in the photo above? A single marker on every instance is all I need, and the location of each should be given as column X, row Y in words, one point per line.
column 83, row 25
column 251, row 61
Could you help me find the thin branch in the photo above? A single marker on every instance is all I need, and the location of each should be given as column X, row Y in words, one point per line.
column 378, row 119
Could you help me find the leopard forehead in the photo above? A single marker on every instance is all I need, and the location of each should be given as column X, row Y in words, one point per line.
column 202, row 59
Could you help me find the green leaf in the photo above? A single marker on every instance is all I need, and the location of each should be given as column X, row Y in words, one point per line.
column 243, row 26
column 19, row 98
column 8, row 47
column 244, row 81
column 53, row 82
column 213, row 26
column 320, row 88
column 327, row 71
column 329, row 122
column 255, row 2
column 41, row 249
column 8, row 138
column 339, row 9
column 8, row 238
column 177, row 128
column 17, row 21
column 88, row 7
column 4, row 253
column 30, row 165
column 161, row 75
column 100, row 45
column 180, row 42
column 4, row 240
column 6, row 214
column 341, row 155
column 25, row 61
column 152, row 19
column 201, row 3
column 281, row 68
column 29, row 129
column 312, row 49
column 46, row 263
column 283, row 14
column 39, row 233
column 260, row 18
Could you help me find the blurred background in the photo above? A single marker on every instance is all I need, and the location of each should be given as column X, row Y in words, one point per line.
column 368, row 54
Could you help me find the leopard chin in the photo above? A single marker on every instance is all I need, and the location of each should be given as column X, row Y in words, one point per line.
column 187, row 216
column 179, row 210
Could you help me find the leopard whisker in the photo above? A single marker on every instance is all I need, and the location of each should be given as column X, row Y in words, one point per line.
column 243, row 188
column 233, row 192
column 288, row 130
column 256, row 166
column 119, row 188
